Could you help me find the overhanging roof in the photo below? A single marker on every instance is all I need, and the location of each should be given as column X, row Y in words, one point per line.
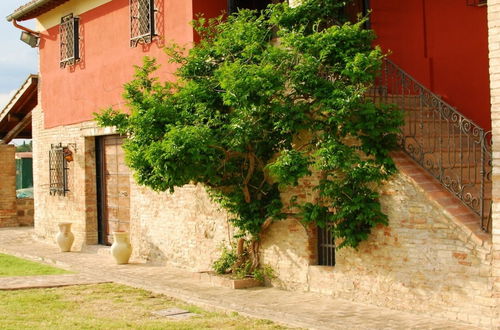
column 15, row 117
column 34, row 9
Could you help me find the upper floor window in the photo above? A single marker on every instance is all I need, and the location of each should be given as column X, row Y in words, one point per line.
column 142, row 21
column 69, row 43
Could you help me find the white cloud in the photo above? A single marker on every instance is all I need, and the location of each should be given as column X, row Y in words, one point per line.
column 5, row 97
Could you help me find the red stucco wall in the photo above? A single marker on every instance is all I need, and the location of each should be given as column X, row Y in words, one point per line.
column 213, row 8
column 72, row 95
column 444, row 45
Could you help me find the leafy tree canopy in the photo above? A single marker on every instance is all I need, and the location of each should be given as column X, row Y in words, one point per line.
column 262, row 101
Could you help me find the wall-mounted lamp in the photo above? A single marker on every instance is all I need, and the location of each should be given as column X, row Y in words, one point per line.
column 67, row 153
column 30, row 39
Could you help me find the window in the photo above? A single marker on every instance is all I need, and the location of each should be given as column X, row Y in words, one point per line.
column 58, row 168
column 70, row 41
column 142, row 22
column 326, row 247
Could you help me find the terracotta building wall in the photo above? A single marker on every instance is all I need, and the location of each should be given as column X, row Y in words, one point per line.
column 444, row 45
column 72, row 94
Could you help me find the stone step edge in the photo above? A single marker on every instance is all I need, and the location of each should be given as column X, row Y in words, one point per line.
column 452, row 207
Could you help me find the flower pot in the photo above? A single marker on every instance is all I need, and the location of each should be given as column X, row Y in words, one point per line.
column 65, row 237
column 121, row 248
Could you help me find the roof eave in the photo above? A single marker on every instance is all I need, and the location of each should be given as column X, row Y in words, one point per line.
column 27, row 11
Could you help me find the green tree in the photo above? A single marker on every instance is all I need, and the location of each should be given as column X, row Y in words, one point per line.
column 263, row 100
column 25, row 147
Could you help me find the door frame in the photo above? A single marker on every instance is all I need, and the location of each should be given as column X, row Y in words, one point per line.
column 102, row 226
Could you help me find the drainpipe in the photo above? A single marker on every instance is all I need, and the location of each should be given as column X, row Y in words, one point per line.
column 14, row 22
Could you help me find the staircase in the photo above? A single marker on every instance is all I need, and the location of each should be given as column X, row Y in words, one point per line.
column 451, row 147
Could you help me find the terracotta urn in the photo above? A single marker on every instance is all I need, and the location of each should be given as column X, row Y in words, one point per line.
column 65, row 237
column 121, row 248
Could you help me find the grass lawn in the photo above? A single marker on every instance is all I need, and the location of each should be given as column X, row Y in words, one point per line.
column 107, row 306
column 12, row 266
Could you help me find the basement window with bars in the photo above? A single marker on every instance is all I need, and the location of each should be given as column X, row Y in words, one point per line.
column 326, row 247
column 58, row 168
column 70, row 40
column 142, row 22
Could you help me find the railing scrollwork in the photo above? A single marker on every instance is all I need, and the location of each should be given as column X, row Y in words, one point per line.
column 450, row 146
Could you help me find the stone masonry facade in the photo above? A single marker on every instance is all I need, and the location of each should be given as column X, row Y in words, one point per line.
column 25, row 211
column 494, row 49
column 430, row 259
column 8, row 207
column 424, row 261
column 183, row 229
column 13, row 211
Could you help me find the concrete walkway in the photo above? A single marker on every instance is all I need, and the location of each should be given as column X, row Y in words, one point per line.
column 46, row 281
column 296, row 309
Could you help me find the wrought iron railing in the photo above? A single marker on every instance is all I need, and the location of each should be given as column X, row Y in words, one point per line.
column 451, row 147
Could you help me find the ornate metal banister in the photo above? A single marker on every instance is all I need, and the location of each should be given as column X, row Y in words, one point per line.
column 450, row 146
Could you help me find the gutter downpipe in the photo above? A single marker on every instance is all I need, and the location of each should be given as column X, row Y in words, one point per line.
column 14, row 22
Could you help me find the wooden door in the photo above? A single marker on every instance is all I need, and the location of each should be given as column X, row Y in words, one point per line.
column 113, row 188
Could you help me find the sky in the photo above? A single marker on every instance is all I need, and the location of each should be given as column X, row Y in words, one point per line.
column 17, row 59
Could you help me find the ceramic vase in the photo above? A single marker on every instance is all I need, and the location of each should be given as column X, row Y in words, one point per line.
column 65, row 237
column 121, row 248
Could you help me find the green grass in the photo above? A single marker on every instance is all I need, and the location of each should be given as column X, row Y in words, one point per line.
column 12, row 266
column 107, row 306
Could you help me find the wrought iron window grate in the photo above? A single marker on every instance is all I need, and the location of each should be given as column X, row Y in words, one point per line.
column 58, row 168
column 326, row 247
column 142, row 22
column 70, row 40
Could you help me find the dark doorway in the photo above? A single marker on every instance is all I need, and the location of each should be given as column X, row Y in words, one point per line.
column 113, row 188
column 234, row 5
column 355, row 8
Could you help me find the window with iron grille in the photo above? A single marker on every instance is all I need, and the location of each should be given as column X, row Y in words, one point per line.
column 58, row 168
column 326, row 247
column 70, row 41
column 142, row 22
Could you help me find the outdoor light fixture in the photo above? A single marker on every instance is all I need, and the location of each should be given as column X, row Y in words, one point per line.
column 29, row 38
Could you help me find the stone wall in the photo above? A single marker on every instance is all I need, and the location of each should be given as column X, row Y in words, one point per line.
column 494, row 48
column 25, row 211
column 183, row 229
column 76, row 205
column 8, row 211
column 424, row 261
